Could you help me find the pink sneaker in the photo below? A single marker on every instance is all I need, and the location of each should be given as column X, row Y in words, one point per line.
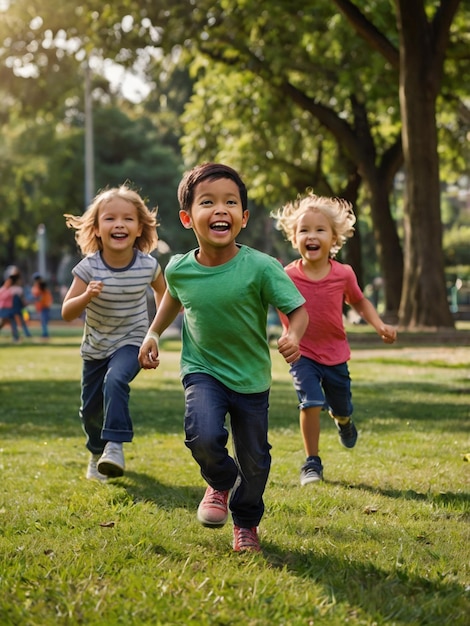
column 213, row 509
column 246, row 539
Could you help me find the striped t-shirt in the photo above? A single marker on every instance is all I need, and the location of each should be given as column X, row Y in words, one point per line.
column 119, row 315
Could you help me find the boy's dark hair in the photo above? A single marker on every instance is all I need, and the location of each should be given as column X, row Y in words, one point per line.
column 205, row 171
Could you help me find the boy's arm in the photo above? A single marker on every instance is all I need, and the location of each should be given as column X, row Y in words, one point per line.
column 159, row 288
column 367, row 311
column 288, row 343
column 166, row 313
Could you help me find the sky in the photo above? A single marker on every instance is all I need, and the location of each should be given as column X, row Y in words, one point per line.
column 132, row 85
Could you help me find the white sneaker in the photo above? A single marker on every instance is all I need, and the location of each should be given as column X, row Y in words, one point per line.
column 92, row 472
column 111, row 462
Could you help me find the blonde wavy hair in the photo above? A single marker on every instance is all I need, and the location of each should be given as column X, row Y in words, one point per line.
column 338, row 211
column 85, row 224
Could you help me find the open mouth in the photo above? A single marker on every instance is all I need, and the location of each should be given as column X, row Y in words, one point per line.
column 220, row 226
column 118, row 236
column 313, row 247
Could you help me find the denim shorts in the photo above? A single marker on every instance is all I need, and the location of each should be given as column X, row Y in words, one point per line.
column 327, row 386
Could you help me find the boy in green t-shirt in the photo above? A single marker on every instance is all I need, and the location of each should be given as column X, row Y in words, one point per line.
column 225, row 289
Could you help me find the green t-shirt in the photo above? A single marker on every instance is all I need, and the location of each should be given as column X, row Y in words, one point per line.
column 225, row 314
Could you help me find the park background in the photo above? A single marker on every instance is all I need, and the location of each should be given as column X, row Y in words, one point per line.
column 366, row 100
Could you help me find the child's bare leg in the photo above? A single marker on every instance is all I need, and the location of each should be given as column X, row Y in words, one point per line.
column 310, row 429
column 312, row 470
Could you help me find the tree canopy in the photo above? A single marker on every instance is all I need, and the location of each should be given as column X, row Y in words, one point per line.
column 318, row 94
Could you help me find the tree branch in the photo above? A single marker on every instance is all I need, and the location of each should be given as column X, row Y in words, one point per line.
column 440, row 26
column 365, row 29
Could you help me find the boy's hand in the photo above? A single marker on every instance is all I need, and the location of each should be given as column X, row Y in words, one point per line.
column 289, row 348
column 148, row 355
column 388, row 334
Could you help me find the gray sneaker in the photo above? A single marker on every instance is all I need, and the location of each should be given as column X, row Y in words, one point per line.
column 347, row 433
column 311, row 471
column 111, row 462
column 92, row 472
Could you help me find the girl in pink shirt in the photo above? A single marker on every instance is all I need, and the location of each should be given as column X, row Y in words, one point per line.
column 318, row 227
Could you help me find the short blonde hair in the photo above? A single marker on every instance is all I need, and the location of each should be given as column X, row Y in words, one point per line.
column 338, row 211
column 85, row 224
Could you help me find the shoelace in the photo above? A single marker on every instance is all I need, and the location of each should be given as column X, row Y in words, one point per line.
column 347, row 430
column 312, row 469
column 217, row 498
column 247, row 538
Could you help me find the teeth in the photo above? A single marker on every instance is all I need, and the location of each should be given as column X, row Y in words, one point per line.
column 220, row 225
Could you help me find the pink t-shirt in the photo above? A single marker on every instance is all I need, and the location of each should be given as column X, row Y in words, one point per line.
column 6, row 297
column 325, row 339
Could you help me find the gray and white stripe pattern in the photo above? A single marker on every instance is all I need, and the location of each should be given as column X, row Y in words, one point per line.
column 119, row 315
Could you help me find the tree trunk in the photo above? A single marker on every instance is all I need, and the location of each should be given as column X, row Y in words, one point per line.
column 424, row 298
column 378, row 173
column 387, row 244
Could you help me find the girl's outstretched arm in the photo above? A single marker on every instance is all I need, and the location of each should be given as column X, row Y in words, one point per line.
column 367, row 311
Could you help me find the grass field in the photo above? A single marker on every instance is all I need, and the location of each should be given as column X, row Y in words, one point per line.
column 383, row 540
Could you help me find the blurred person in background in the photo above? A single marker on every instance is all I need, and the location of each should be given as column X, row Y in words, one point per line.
column 42, row 301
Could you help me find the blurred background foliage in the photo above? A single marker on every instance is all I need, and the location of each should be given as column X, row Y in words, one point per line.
column 291, row 96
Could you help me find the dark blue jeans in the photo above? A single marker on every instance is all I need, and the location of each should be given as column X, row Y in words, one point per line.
column 208, row 402
column 18, row 307
column 104, row 407
column 44, row 317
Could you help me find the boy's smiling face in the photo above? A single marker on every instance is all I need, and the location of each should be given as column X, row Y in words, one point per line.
column 217, row 215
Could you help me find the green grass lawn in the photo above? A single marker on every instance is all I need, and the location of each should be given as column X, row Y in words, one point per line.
column 383, row 540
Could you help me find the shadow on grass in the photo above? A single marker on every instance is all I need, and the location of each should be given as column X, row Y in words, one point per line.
column 457, row 500
column 385, row 596
column 418, row 403
column 48, row 407
column 143, row 487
